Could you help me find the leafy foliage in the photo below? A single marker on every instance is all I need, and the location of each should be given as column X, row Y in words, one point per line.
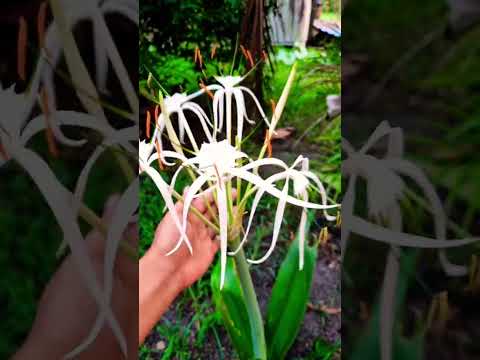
column 288, row 302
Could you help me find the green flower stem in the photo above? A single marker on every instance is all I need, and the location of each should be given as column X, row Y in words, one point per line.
column 197, row 213
column 93, row 220
column 253, row 309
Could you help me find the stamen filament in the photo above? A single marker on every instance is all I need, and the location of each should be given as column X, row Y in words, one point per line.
column 148, row 124
column 22, row 49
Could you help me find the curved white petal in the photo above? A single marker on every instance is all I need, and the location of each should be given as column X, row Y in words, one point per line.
column 126, row 207
column 223, row 222
column 347, row 211
column 58, row 198
column 167, row 197
column 323, row 192
column 375, row 232
column 437, row 211
column 190, row 195
column 276, row 225
column 67, row 118
column 258, row 196
column 262, row 113
column 258, row 181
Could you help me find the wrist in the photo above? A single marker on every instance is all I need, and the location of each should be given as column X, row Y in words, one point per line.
column 158, row 287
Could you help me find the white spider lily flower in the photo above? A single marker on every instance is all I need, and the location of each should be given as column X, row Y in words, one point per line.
column 146, row 158
column 14, row 135
column 230, row 88
column 389, row 190
column 17, row 130
column 178, row 104
column 216, row 164
column 301, row 181
column 104, row 45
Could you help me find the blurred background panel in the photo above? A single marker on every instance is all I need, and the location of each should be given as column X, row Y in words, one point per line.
column 415, row 67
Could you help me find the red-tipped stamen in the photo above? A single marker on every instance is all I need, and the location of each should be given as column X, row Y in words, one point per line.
column 148, row 124
column 250, row 59
column 264, row 55
column 159, row 152
column 157, row 109
column 52, row 145
column 273, row 105
column 207, row 90
column 22, row 49
column 214, row 51
column 200, row 59
column 195, row 58
column 244, row 52
column 268, row 142
column 41, row 21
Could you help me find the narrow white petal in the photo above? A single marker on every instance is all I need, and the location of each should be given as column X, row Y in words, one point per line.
column 262, row 113
column 256, row 201
column 347, row 210
column 323, row 193
column 187, row 202
column 164, row 189
column 439, row 217
column 202, row 117
column 216, row 112
column 223, row 221
column 57, row 198
column 302, row 234
column 117, row 63
column 126, row 207
column 373, row 231
column 183, row 120
column 264, row 162
column 382, row 130
column 240, row 106
column 228, row 95
column 261, row 183
column 276, row 226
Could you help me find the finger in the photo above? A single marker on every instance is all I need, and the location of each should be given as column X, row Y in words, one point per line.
column 96, row 240
column 210, row 215
column 204, row 201
column 214, row 247
column 109, row 208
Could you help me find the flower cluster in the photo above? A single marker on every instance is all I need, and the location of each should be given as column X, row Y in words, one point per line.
column 219, row 164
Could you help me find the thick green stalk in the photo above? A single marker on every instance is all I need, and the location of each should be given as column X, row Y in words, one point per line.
column 253, row 309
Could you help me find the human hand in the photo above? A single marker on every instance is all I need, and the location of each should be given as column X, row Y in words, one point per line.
column 163, row 277
column 188, row 267
column 66, row 311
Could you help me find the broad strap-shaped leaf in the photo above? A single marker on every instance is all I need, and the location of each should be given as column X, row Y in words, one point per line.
column 230, row 302
column 288, row 302
column 369, row 345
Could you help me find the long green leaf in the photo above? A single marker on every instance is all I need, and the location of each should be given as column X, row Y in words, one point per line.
column 230, row 302
column 288, row 302
column 368, row 345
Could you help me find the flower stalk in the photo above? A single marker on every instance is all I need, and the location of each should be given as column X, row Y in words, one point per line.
column 251, row 302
